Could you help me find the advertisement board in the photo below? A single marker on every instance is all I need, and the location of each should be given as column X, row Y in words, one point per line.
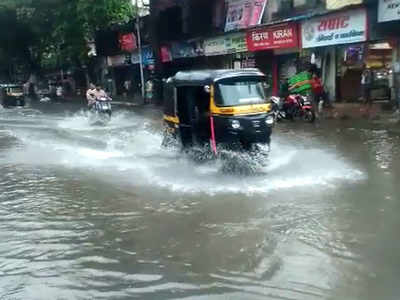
column 389, row 10
column 165, row 53
column 117, row 60
column 127, row 42
column 276, row 37
column 334, row 29
column 214, row 46
column 244, row 13
column 147, row 56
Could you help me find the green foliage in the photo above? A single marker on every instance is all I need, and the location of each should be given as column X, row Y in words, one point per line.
column 50, row 33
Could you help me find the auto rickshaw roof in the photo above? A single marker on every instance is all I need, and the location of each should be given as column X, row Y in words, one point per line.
column 205, row 77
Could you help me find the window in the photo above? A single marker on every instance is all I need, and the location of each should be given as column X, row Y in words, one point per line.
column 241, row 91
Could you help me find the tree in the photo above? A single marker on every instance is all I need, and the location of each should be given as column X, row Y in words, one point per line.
column 53, row 33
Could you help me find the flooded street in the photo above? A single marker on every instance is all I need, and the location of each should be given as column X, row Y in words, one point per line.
column 105, row 213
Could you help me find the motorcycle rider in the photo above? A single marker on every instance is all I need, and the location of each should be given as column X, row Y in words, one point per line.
column 95, row 94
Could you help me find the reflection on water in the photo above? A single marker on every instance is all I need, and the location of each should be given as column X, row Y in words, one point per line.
column 104, row 213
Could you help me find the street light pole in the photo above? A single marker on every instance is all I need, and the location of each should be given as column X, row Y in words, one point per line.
column 139, row 48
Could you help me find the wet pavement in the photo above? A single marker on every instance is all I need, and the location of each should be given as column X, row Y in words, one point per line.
column 105, row 213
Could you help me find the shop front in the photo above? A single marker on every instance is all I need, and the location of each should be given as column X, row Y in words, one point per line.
column 389, row 26
column 119, row 70
column 337, row 43
column 276, row 49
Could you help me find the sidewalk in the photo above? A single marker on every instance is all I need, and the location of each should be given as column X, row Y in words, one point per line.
column 344, row 111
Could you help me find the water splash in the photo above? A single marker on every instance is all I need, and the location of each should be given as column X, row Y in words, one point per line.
column 130, row 147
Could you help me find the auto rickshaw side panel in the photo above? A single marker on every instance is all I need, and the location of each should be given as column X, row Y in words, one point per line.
column 171, row 119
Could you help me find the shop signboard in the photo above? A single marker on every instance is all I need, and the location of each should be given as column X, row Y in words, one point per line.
column 244, row 13
column 214, row 46
column 147, row 56
column 276, row 37
column 231, row 43
column 389, row 10
column 235, row 43
column 165, row 53
column 116, row 60
column 127, row 42
column 335, row 29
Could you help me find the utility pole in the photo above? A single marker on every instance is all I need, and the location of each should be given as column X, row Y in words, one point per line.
column 139, row 47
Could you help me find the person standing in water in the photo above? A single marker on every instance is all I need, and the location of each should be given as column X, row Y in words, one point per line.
column 366, row 82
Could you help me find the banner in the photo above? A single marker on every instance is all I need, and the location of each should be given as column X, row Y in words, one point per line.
column 389, row 10
column 127, row 42
column 340, row 28
column 231, row 43
column 165, row 53
column 147, row 56
column 244, row 13
column 276, row 37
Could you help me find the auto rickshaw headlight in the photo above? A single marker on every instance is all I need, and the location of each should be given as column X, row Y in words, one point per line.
column 270, row 120
column 235, row 124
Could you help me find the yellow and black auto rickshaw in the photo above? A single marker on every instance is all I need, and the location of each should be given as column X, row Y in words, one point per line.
column 12, row 95
column 220, row 108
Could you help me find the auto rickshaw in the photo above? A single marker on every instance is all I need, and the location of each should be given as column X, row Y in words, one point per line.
column 12, row 95
column 219, row 109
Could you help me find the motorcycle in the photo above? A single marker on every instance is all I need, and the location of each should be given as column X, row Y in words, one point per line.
column 277, row 109
column 100, row 112
column 294, row 107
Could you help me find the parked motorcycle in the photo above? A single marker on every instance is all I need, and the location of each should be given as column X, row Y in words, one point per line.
column 277, row 108
column 294, row 107
column 100, row 112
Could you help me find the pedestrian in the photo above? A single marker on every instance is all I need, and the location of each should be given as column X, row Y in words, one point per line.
column 127, row 87
column 149, row 91
column 366, row 83
column 317, row 93
column 59, row 90
column 109, row 85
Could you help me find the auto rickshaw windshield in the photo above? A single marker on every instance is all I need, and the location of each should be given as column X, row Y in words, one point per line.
column 240, row 91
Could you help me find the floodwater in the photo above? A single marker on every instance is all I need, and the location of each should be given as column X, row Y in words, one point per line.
column 105, row 213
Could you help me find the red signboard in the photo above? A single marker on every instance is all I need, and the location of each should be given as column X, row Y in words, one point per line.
column 277, row 37
column 127, row 42
column 165, row 53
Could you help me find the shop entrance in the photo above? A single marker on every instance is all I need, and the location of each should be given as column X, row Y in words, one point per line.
column 377, row 57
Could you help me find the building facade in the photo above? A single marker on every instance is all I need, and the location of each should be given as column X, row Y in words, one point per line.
column 280, row 37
